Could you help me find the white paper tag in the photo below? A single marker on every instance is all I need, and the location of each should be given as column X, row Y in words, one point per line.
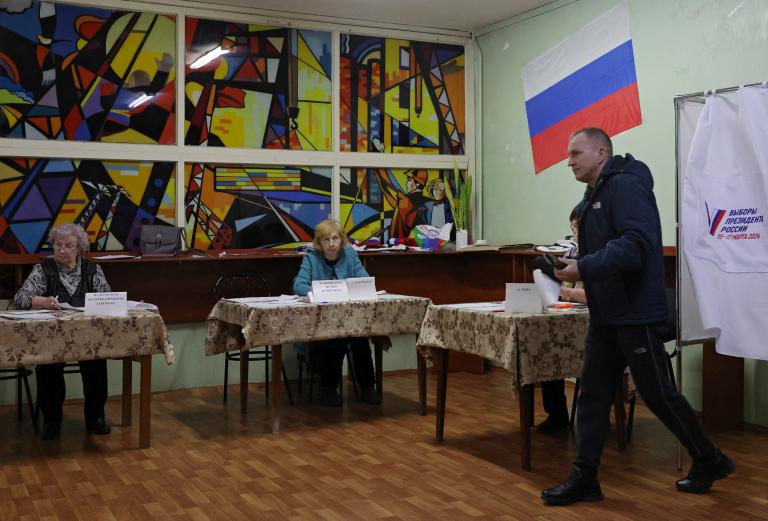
column 522, row 298
column 362, row 288
column 111, row 304
column 330, row 291
column 549, row 289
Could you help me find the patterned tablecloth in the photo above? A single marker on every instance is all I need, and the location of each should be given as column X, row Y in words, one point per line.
column 533, row 347
column 231, row 323
column 72, row 336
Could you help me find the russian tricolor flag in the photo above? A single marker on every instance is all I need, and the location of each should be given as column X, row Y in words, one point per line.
column 587, row 80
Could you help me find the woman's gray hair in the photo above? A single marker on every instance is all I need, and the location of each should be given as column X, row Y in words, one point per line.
column 67, row 229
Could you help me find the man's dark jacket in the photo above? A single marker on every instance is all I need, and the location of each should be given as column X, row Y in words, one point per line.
column 621, row 257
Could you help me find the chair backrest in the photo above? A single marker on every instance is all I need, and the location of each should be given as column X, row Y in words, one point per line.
column 240, row 285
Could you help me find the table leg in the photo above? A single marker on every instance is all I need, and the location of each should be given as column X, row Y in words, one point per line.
column 277, row 386
column 127, row 391
column 441, row 366
column 525, row 397
column 377, row 351
column 422, row 371
column 145, row 397
column 244, row 381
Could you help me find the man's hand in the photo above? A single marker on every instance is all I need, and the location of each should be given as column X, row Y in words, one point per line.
column 570, row 273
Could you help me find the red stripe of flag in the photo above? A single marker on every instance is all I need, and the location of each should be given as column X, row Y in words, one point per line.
column 615, row 113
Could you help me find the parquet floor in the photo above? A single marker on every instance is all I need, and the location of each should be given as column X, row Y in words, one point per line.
column 357, row 462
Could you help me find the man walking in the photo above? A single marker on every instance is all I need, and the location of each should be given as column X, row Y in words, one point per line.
column 621, row 264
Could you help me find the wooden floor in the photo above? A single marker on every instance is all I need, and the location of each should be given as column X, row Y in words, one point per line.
column 357, row 462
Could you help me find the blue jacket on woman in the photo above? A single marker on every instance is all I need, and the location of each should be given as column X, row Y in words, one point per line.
column 621, row 256
column 314, row 267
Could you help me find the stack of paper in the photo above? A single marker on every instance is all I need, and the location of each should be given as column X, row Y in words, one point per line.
column 267, row 302
column 478, row 306
column 33, row 314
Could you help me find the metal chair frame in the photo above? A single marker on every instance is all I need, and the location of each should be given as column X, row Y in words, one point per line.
column 21, row 375
column 259, row 287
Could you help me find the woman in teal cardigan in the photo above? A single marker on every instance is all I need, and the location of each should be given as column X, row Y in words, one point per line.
column 334, row 258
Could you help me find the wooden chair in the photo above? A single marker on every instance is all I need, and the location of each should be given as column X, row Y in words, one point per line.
column 247, row 285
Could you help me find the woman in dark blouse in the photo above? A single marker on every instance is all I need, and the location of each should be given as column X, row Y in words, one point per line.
column 66, row 278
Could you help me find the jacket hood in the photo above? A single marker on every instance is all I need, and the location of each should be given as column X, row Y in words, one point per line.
column 615, row 166
column 627, row 165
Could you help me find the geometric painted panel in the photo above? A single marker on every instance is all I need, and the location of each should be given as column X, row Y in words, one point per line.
column 79, row 73
column 110, row 199
column 253, row 86
column 385, row 203
column 252, row 206
column 401, row 96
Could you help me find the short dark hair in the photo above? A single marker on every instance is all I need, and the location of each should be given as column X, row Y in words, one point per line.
column 596, row 134
column 574, row 213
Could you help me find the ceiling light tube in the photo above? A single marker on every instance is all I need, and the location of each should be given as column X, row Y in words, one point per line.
column 208, row 57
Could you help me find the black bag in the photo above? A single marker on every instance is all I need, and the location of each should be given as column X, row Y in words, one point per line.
column 540, row 263
column 159, row 239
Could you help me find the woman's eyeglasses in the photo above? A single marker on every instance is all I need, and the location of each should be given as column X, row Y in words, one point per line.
column 64, row 246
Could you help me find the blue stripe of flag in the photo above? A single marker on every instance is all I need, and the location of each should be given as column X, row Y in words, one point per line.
column 609, row 73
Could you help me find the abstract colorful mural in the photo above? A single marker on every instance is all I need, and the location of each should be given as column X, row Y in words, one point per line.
column 80, row 73
column 385, row 203
column 401, row 96
column 111, row 199
column 251, row 206
column 257, row 86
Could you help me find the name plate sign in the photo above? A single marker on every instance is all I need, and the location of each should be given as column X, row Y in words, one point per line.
column 111, row 304
column 522, row 298
column 362, row 288
column 329, row 291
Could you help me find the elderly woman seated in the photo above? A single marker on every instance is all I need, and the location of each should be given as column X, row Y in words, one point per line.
column 335, row 259
column 66, row 278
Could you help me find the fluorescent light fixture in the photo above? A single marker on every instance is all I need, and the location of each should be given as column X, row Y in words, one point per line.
column 208, row 57
column 138, row 101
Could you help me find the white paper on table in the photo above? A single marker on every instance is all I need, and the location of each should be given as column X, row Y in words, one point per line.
column 548, row 288
column 329, row 291
column 478, row 306
column 391, row 296
column 361, row 288
column 522, row 298
column 256, row 300
column 27, row 315
column 552, row 249
column 69, row 307
column 134, row 304
column 110, row 304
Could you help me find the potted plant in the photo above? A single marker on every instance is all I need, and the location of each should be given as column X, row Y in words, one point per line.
column 459, row 203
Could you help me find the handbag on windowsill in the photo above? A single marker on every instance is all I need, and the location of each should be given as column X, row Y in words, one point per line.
column 159, row 240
